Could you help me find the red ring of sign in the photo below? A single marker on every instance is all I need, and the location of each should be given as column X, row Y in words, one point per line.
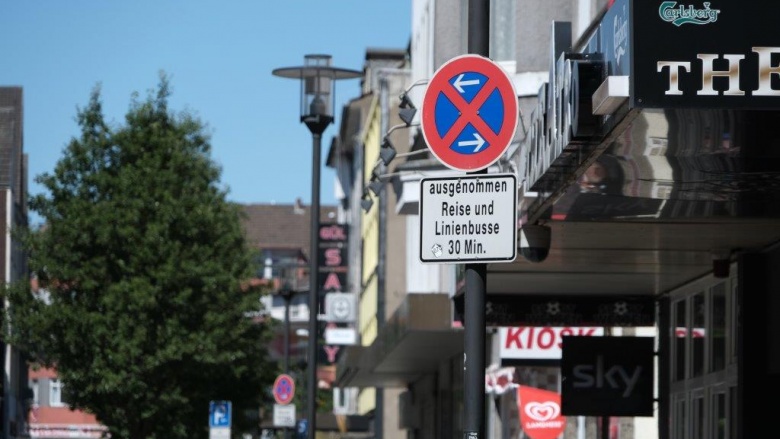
column 439, row 83
column 284, row 389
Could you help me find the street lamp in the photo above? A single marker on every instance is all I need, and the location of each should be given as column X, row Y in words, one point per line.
column 317, row 78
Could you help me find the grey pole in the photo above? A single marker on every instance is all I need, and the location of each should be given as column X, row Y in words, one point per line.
column 313, row 290
column 379, row 409
column 476, row 274
column 287, row 297
column 315, row 70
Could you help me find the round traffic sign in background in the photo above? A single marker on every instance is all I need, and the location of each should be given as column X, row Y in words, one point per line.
column 284, row 389
column 469, row 113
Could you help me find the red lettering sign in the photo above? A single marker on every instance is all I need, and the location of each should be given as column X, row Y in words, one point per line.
column 333, row 232
column 332, row 283
column 332, row 257
column 539, row 342
column 331, row 352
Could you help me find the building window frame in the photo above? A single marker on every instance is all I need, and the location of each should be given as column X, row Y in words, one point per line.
column 55, row 393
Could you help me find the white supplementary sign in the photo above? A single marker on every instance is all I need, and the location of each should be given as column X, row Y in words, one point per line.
column 472, row 218
column 539, row 342
column 284, row 415
column 219, row 433
column 340, row 336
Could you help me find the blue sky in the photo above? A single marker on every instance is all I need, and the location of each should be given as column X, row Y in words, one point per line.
column 218, row 55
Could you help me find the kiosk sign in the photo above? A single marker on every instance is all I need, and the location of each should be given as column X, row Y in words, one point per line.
column 469, row 113
column 468, row 219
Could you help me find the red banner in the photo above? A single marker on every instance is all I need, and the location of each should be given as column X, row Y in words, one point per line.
column 540, row 412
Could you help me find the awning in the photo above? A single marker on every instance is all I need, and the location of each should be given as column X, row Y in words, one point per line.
column 412, row 343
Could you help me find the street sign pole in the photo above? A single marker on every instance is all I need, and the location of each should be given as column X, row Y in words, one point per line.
column 469, row 118
column 476, row 274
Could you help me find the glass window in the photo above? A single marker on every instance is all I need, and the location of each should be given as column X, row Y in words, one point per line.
column 502, row 30
column 679, row 421
column 697, row 416
column 680, row 331
column 35, row 391
column 698, row 334
column 732, row 421
column 718, row 328
column 503, row 21
column 733, row 327
column 55, row 393
column 719, row 415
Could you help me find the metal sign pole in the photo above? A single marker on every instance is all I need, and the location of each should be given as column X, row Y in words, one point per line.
column 476, row 274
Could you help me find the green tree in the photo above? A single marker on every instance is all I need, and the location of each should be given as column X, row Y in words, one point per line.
column 145, row 265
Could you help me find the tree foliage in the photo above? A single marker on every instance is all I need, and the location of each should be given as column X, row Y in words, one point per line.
column 144, row 263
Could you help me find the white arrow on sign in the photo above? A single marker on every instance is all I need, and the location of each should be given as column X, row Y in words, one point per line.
column 479, row 142
column 459, row 83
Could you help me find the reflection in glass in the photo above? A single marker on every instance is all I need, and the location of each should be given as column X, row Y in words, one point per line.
column 718, row 318
column 733, row 412
column 719, row 418
column 698, row 335
column 680, row 422
column 679, row 341
column 698, row 418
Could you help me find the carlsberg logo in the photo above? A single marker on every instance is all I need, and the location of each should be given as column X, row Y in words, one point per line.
column 687, row 14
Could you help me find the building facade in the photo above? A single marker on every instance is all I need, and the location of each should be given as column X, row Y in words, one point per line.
column 13, row 199
column 646, row 156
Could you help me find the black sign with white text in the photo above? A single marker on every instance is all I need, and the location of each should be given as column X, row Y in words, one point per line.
column 713, row 54
column 607, row 376
column 527, row 310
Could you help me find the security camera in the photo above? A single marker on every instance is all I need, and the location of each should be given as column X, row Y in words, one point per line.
column 535, row 242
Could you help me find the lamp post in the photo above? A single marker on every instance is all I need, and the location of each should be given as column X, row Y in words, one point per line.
column 287, row 293
column 317, row 78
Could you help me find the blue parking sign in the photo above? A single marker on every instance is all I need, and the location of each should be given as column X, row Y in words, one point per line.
column 303, row 429
column 219, row 414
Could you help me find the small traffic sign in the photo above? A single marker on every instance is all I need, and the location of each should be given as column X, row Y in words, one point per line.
column 469, row 113
column 219, row 414
column 472, row 218
column 284, row 389
column 303, row 428
column 284, row 415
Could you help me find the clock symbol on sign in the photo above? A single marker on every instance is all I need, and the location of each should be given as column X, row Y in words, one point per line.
column 341, row 308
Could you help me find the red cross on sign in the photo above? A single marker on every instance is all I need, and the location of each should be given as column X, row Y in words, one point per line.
column 469, row 113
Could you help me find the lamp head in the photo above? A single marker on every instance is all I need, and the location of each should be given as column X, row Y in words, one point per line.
column 387, row 152
column 408, row 110
column 317, row 78
column 366, row 203
column 376, row 186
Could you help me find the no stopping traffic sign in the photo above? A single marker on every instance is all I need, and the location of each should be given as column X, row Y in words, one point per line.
column 284, row 389
column 469, row 113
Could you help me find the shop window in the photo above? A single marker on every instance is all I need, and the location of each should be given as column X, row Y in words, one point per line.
column 697, row 417
column 732, row 409
column 732, row 342
column 679, row 420
column 703, row 360
column 718, row 327
column 719, row 415
column 698, row 334
column 680, row 335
